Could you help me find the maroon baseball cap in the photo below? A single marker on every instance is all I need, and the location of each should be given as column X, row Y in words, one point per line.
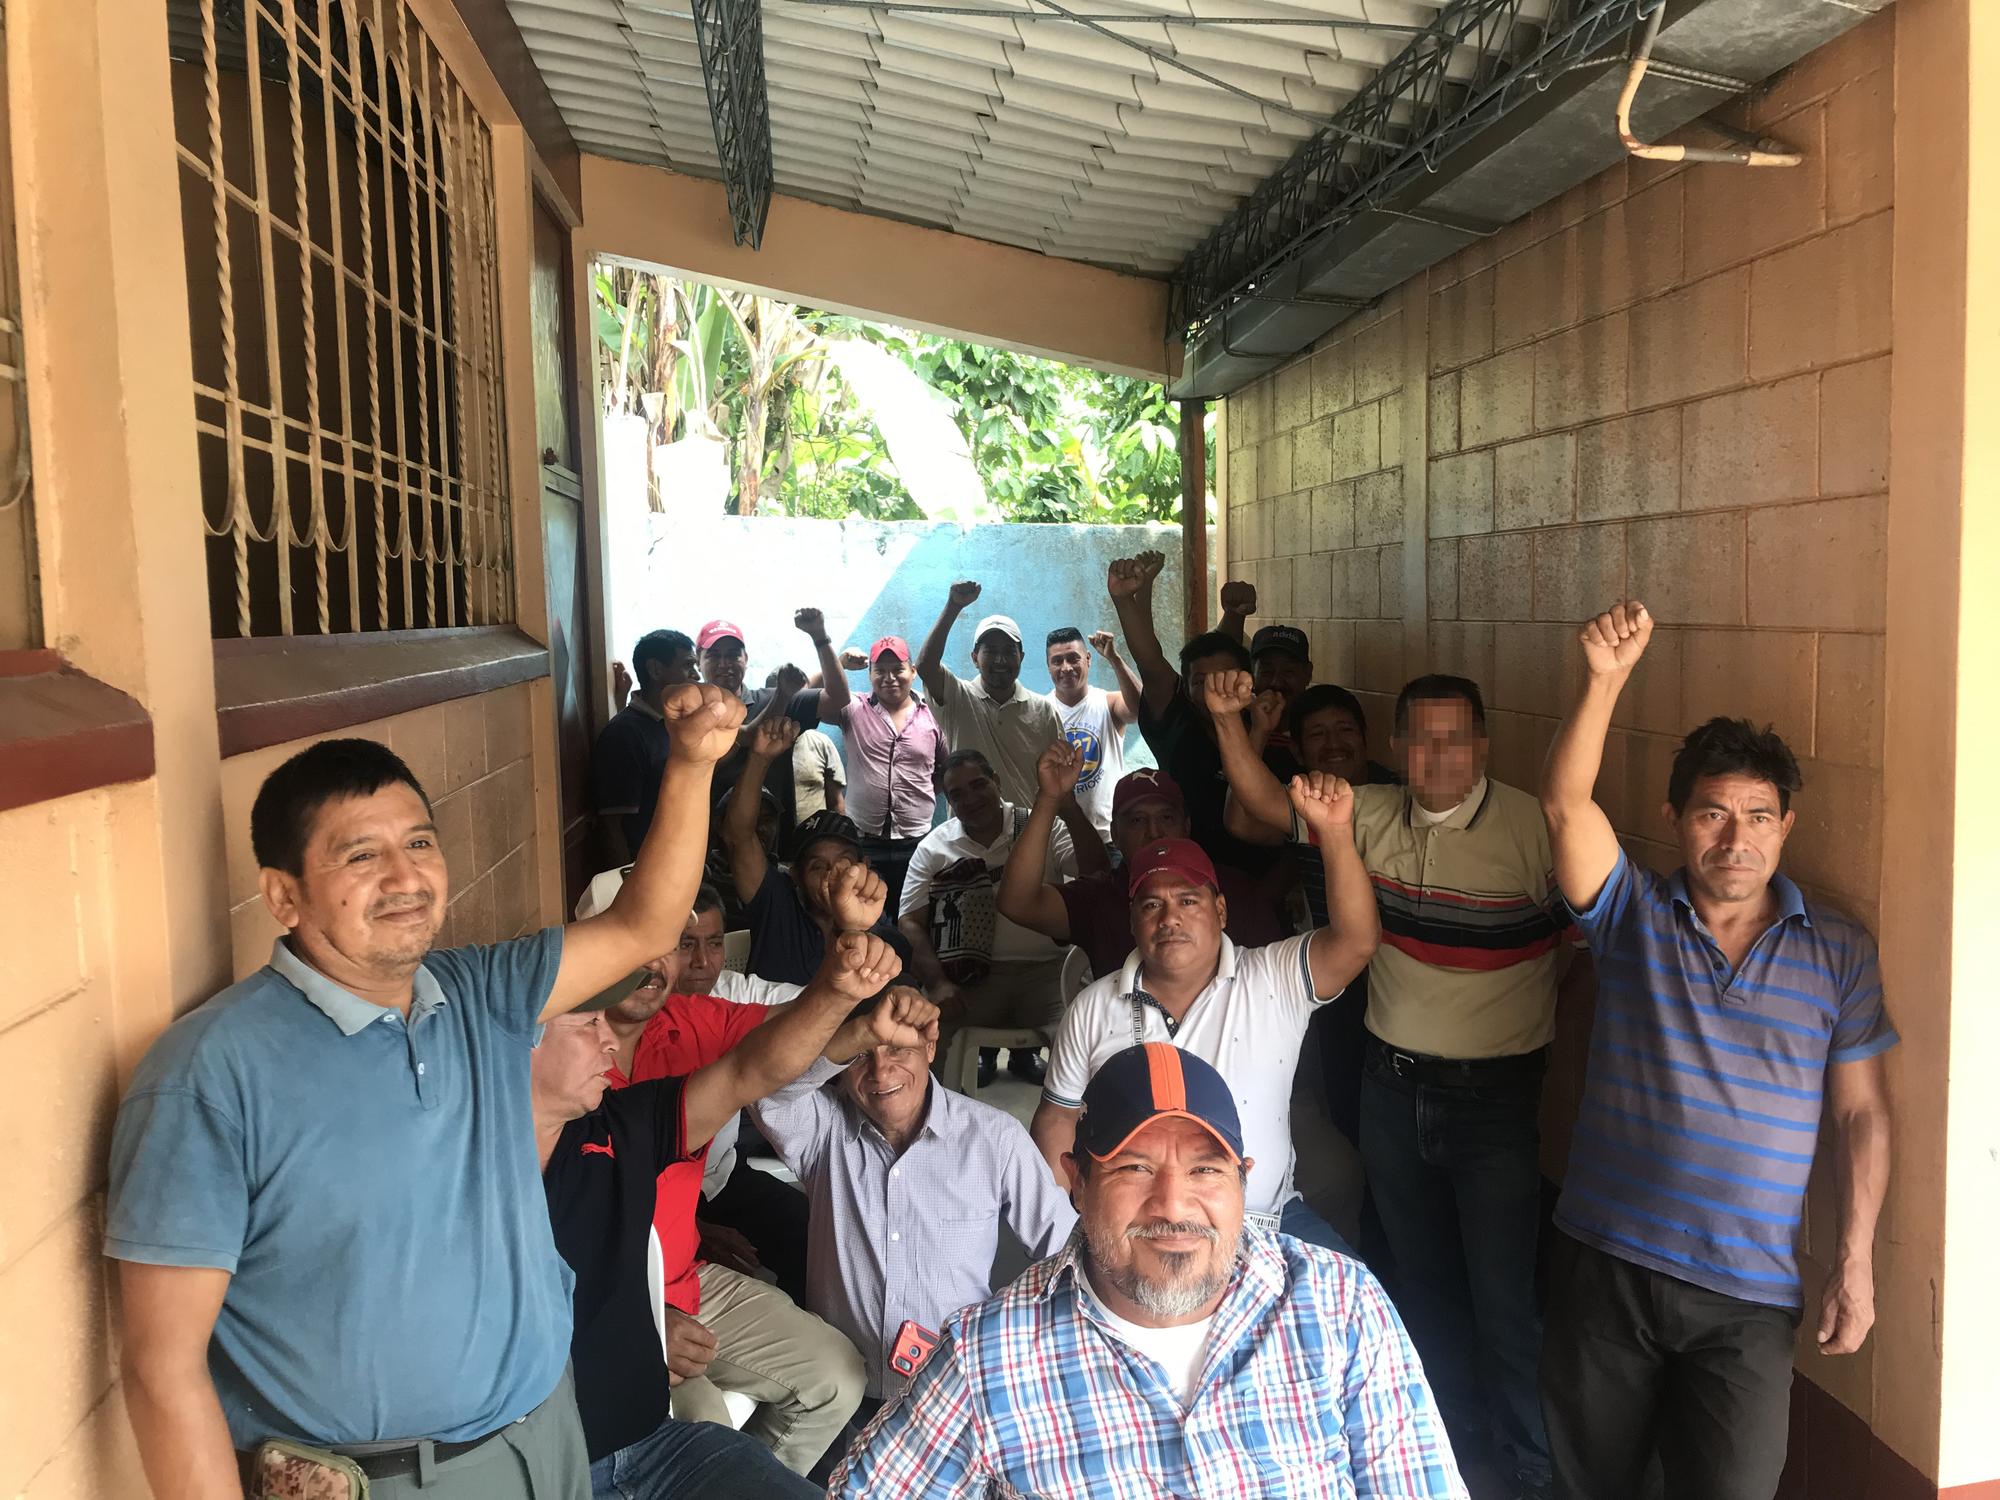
column 1146, row 786
column 895, row 645
column 1183, row 857
column 720, row 630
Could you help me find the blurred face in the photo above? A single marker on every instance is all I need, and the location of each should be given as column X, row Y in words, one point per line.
column 1443, row 750
column 1198, row 669
column 891, row 678
column 723, row 664
column 1177, row 927
column 998, row 658
column 889, row 1085
column 372, row 888
column 1332, row 740
column 1069, row 670
column 973, row 797
column 1731, row 835
column 701, row 952
column 567, row 1073
column 813, row 871
column 1162, row 1222
column 1283, row 673
column 1147, row 822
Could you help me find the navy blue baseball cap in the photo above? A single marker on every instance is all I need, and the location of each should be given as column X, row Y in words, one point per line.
column 1155, row 1081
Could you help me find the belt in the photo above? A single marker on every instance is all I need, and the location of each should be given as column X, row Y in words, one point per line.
column 1456, row 1072
column 390, row 1460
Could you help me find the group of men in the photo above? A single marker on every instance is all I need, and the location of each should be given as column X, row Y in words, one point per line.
column 335, row 1269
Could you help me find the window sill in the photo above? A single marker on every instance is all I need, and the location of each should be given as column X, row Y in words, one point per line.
column 280, row 688
column 62, row 732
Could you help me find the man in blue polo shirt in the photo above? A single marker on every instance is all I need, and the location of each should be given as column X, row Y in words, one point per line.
column 1731, row 1014
column 322, row 1198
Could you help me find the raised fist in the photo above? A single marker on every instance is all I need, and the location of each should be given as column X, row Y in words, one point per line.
column 1125, row 578
column 858, row 964
column 1150, row 563
column 1616, row 639
column 812, row 622
column 853, row 659
column 621, row 683
column 1239, row 598
column 903, row 1019
column 1228, row 692
column 855, row 896
column 701, row 721
column 1103, row 643
column 1057, row 769
column 1325, row 802
column 963, row 593
column 774, row 736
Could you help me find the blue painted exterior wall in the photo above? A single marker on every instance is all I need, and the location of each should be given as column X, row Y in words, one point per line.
column 876, row 578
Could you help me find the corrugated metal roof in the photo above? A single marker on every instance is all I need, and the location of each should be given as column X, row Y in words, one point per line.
column 1020, row 127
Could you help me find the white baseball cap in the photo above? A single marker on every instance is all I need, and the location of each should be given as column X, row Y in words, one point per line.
column 1002, row 623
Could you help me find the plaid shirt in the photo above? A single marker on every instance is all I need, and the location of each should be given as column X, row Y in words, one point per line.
column 1309, row 1388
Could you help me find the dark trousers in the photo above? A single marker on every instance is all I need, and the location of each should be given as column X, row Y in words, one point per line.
column 695, row 1461
column 1452, row 1155
column 890, row 858
column 771, row 1215
column 1636, row 1362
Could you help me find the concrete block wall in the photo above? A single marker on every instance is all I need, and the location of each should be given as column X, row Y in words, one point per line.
column 474, row 756
column 1672, row 383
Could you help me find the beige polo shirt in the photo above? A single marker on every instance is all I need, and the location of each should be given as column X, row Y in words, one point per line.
column 1472, row 922
column 1012, row 735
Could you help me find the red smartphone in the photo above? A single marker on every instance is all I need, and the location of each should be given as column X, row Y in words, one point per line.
column 913, row 1346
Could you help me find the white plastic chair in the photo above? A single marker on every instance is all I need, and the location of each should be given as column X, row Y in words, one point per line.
column 961, row 1063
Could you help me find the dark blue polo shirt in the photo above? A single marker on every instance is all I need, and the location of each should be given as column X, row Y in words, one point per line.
column 372, row 1187
column 1702, row 1101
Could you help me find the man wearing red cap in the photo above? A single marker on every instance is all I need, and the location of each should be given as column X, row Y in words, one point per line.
column 1243, row 1010
column 1174, row 1347
column 1094, row 910
column 895, row 754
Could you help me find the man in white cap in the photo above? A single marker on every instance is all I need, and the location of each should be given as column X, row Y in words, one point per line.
column 992, row 713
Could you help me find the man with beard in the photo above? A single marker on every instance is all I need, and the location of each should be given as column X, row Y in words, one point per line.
column 992, row 713
column 895, row 754
column 1173, row 1348
column 790, row 915
column 1733, row 1013
column 1243, row 1010
column 910, row 1184
column 320, row 1199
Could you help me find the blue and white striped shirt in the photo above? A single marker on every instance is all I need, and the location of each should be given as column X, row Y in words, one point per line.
column 1702, row 1102
column 1308, row 1388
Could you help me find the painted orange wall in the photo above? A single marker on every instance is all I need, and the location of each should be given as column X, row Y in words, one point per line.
column 873, row 267
column 1672, row 383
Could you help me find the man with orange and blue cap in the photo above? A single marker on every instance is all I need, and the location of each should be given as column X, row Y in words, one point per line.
column 1242, row 1010
column 1174, row 1347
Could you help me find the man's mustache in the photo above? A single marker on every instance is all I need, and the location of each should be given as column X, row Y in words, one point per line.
column 1161, row 1230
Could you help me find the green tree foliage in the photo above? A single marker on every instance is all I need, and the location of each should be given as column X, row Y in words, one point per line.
column 1051, row 442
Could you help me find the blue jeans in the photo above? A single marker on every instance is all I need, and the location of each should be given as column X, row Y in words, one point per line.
column 1456, row 1172
column 695, row 1461
column 1301, row 1223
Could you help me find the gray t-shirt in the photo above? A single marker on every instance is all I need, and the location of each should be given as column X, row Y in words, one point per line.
column 371, row 1187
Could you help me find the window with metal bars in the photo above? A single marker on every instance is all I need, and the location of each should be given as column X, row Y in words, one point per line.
column 20, row 612
column 338, row 220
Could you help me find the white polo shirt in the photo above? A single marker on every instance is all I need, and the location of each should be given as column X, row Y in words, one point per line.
column 1248, row 1025
column 1012, row 735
